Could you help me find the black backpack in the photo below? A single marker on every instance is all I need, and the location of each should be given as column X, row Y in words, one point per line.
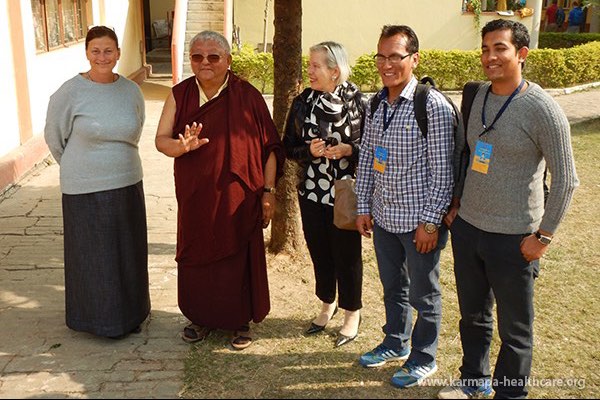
column 469, row 91
column 421, row 92
column 461, row 120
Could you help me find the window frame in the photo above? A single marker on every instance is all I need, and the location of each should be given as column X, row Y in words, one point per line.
column 79, row 9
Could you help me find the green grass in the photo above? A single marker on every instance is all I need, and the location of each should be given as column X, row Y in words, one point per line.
column 283, row 363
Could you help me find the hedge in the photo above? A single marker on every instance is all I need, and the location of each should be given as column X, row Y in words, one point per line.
column 565, row 67
column 551, row 68
column 254, row 67
column 563, row 40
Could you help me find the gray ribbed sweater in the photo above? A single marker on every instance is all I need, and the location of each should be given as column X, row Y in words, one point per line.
column 532, row 132
column 93, row 130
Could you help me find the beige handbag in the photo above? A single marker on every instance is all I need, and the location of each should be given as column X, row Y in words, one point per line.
column 344, row 206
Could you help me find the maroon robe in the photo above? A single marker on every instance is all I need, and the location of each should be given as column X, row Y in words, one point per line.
column 222, row 275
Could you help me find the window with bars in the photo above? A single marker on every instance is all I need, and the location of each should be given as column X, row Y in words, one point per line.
column 57, row 23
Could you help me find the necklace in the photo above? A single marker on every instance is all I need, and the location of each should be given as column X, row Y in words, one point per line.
column 90, row 77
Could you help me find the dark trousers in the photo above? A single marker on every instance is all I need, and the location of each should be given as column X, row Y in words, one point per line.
column 487, row 266
column 336, row 256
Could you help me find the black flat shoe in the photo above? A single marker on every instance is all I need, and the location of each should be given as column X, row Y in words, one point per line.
column 314, row 328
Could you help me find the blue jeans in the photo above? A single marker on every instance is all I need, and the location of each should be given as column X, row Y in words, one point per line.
column 410, row 280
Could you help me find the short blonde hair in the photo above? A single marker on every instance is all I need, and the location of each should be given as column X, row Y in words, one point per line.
column 336, row 57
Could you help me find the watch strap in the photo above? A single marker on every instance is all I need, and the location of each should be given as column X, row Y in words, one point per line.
column 543, row 239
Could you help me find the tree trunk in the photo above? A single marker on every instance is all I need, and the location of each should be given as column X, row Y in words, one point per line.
column 286, row 235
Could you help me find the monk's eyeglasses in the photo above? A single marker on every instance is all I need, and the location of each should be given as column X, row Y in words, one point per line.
column 212, row 58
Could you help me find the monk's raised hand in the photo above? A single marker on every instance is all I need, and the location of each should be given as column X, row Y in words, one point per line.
column 190, row 139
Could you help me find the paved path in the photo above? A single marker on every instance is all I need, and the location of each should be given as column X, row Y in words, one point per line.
column 39, row 355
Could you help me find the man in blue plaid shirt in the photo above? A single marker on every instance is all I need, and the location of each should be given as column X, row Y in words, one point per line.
column 404, row 187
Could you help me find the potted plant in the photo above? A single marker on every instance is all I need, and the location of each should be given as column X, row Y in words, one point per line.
column 474, row 6
column 516, row 5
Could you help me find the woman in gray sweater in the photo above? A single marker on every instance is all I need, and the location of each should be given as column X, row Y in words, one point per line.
column 93, row 127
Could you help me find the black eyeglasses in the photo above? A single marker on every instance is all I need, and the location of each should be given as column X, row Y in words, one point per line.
column 212, row 58
column 393, row 59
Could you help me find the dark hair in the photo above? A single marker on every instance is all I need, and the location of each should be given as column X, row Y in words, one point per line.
column 412, row 42
column 519, row 37
column 99, row 32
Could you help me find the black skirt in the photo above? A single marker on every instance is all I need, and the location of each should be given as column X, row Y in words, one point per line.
column 106, row 261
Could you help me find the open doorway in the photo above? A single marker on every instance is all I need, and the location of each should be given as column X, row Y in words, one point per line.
column 158, row 27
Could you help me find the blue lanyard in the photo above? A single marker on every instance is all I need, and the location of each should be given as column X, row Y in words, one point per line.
column 387, row 121
column 486, row 128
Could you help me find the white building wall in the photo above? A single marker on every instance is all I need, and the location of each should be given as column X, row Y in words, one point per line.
column 9, row 134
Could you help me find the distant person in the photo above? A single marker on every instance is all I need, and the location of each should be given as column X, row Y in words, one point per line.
column 93, row 127
column 404, row 187
column 322, row 134
column 575, row 21
column 500, row 226
column 227, row 157
column 560, row 18
column 551, row 25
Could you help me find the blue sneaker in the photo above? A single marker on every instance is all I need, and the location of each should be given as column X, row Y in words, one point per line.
column 382, row 354
column 466, row 392
column 412, row 374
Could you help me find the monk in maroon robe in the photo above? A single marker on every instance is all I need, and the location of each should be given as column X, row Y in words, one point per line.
column 228, row 156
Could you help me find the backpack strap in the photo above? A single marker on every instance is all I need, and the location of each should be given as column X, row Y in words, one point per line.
column 421, row 93
column 468, row 95
column 462, row 153
column 427, row 80
column 374, row 103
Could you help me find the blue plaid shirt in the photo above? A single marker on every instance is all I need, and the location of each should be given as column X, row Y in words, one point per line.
column 417, row 183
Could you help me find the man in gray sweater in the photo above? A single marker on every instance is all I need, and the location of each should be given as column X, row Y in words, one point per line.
column 500, row 227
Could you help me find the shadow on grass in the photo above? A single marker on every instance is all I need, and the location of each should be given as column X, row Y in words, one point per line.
column 284, row 363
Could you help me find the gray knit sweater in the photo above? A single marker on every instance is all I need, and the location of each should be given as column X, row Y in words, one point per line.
column 93, row 130
column 533, row 132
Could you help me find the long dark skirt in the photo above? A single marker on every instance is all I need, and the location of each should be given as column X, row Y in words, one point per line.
column 106, row 261
column 228, row 293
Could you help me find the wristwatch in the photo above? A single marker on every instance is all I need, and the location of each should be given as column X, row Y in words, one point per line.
column 269, row 190
column 430, row 228
column 543, row 239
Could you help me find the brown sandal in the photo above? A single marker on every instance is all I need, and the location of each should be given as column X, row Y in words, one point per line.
column 241, row 338
column 195, row 333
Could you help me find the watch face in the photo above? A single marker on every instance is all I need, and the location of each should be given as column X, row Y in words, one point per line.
column 430, row 228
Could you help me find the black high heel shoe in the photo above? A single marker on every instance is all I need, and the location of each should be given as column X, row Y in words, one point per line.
column 343, row 339
column 314, row 328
